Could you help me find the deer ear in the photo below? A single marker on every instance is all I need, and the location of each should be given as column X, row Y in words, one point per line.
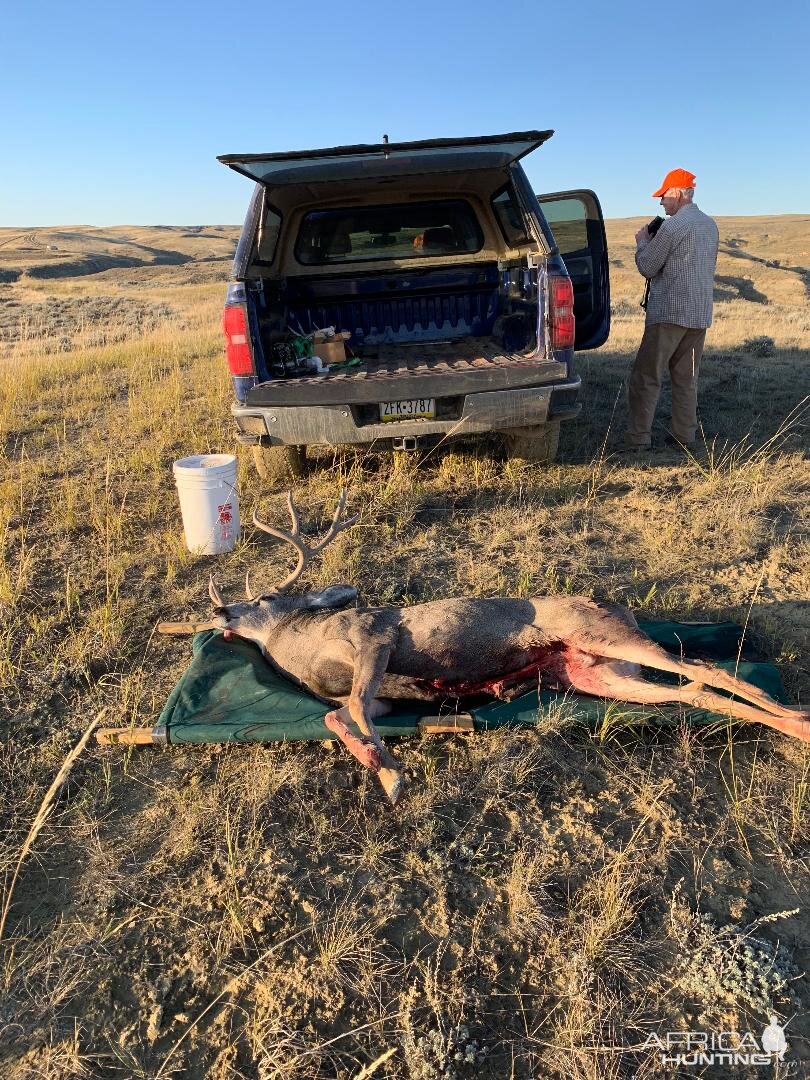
column 336, row 596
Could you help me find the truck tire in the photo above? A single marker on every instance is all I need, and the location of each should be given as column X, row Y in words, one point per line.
column 537, row 445
column 280, row 464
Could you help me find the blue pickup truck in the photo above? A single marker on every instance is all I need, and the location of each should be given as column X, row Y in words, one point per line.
column 440, row 296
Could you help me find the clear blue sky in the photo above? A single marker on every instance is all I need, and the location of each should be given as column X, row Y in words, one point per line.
column 113, row 113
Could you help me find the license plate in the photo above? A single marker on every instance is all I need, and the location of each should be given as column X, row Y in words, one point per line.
column 413, row 409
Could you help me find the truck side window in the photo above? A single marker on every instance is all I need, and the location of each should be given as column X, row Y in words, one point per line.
column 509, row 217
column 268, row 236
column 567, row 218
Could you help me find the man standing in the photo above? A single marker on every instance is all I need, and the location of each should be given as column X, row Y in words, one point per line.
column 679, row 264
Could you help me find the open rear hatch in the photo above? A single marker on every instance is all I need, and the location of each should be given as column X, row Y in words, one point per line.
column 386, row 160
column 416, row 334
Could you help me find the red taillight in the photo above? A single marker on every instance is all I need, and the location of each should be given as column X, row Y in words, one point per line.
column 237, row 345
column 561, row 320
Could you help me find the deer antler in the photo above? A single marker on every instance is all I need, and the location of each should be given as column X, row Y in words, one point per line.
column 216, row 596
column 305, row 553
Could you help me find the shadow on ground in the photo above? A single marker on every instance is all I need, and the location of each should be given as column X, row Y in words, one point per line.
column 740, row 397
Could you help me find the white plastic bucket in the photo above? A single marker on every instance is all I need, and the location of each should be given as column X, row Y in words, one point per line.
column 209, row 503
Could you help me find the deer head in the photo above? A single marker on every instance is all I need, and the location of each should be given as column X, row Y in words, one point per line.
column 255, row 617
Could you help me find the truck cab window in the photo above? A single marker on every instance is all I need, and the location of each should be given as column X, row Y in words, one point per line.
column 408, row 231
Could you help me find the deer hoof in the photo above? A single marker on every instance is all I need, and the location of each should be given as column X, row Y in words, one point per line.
column 396, row 790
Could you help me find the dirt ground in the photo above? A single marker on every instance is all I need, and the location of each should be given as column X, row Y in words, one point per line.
column 544, row 901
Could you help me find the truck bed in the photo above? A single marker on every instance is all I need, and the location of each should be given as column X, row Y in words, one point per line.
column 398, row 372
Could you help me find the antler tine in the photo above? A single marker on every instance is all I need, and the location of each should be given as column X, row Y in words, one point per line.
column 248, row 591
column 294, row 515
column 293, row 538
column 336, row 526
column 333, row 531
column 216, row 596
column 340, row 506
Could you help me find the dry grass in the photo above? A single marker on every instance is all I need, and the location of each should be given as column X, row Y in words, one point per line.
column 545, row 899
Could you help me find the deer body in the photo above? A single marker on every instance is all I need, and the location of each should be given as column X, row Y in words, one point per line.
column 447, row 648
column 361, row 658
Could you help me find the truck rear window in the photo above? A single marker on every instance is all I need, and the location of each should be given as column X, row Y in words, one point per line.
column 406, row 231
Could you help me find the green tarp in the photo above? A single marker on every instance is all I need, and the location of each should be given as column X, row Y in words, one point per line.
column 229, row 693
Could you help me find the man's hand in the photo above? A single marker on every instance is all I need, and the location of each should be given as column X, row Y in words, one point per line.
column 642, row 236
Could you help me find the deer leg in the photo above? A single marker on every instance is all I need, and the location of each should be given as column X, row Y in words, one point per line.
column 341, row 672
column 362, row 748
column 612, row 679
column 639, row 650
column 369, row 667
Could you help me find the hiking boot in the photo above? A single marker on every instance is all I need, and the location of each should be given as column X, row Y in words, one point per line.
column 630, row 448
column 672, row 440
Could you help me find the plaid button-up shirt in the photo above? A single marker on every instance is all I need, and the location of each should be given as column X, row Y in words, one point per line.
column 679, row 261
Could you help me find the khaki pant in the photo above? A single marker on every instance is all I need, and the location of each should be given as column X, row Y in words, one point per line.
column 680, row 349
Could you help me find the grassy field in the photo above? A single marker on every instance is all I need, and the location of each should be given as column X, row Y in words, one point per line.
column 543, row 900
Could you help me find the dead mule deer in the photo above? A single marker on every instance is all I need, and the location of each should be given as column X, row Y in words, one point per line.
column 362, row 658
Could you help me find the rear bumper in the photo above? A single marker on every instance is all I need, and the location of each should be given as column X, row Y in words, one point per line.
column 338, row 424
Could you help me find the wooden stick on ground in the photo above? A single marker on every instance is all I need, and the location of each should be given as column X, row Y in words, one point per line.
column 185, row 627
column 43, row 814
column 368, row 1070
column 127, row 736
